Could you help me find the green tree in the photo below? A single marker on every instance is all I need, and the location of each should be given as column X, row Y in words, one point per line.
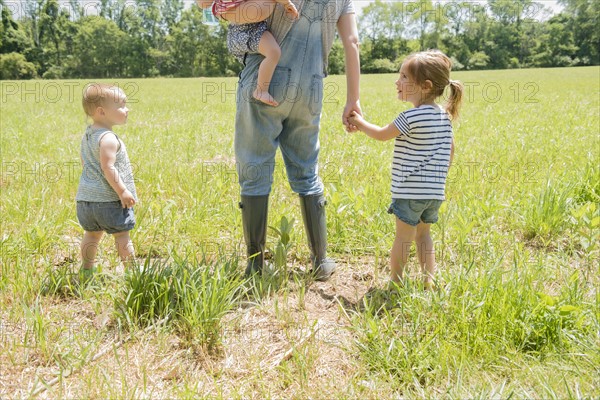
column 507, row 32
column 56, row 33
column 583, row 22
column 185, row 45
column 424, row 17
column 555, row 44
column 381, row 29
column 171, row 13
column 215, row 58
column 16, row 66
column 475, row 33
column 98, row 49
column 336, row 64
column 195, row 49
column 479, row 60
column 13, row 36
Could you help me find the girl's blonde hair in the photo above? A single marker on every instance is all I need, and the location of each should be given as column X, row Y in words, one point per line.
column 435, row 66
column 99, row 94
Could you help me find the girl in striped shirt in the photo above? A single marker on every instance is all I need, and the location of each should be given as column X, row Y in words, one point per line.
column 423, row 152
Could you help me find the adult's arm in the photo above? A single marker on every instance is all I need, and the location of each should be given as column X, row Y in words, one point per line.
column 348, row 33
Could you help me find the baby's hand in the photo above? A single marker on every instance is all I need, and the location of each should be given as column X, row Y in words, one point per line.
column 289, row 7
column 127, row 199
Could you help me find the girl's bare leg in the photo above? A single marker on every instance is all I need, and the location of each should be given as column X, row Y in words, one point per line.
column 405, row 234
column 269, row 48
column 426, row 254
column 124, row 247
column 89, row 248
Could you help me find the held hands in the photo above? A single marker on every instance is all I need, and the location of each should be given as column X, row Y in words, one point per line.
column 127, row 199
column 356, row 120
column 352, row 108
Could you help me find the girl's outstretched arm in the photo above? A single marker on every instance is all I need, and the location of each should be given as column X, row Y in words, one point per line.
column 376, row 132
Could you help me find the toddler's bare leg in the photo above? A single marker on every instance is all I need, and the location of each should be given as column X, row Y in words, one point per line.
column 426, row 254
column 269, row 48
column 89, row 248
column 405, row 234
column 124, row 247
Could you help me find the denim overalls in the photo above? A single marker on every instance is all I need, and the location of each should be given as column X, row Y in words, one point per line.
column 297, row 85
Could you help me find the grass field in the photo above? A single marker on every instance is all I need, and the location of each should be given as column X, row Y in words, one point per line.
column 516, row 313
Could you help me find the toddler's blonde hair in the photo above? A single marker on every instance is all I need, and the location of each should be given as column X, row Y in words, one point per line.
column 99, row 94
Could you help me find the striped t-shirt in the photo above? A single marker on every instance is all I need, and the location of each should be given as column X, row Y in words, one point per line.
column 421, row 153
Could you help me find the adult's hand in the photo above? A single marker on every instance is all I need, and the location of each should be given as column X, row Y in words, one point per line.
column 349, row 109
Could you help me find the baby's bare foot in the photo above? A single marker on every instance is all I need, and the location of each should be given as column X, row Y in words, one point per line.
column 265, row 97
column 289, row 7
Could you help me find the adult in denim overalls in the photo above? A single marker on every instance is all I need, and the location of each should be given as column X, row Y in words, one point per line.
column 293, row 125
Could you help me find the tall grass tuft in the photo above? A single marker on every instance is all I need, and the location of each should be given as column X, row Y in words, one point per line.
column 193, row 295
column 61, row 282
column 588, row 187
column 546, row 216
column 204, row 293
column 148, row 294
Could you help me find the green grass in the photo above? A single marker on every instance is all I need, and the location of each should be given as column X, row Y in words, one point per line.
column 517, row 310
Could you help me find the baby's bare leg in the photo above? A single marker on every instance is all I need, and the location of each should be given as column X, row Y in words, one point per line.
column 89, row 248
column 269, row 48
column 124, row 247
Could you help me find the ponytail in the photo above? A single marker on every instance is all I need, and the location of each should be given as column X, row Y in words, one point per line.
column 455, row 100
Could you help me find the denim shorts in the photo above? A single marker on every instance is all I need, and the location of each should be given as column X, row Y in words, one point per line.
column 414, row 211
column 109, row 217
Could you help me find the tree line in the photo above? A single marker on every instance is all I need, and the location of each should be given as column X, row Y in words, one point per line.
column 149, row 38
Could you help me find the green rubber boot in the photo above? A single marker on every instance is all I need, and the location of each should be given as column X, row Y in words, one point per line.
column 254, row 221
column 313, row 214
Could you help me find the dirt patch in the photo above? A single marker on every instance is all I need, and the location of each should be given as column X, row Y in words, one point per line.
column 295, row 343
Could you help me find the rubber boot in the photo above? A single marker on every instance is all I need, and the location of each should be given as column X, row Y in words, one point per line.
column 313, row 214
column 254, row 221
